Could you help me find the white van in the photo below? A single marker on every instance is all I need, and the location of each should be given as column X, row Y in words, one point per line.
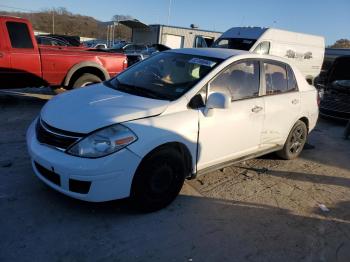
column 307, row 51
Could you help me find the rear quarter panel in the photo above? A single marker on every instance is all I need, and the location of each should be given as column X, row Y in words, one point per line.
column 309, row 107
column 308, row 99
column 56, row 63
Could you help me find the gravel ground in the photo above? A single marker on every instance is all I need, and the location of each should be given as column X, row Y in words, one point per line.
column 264, row 209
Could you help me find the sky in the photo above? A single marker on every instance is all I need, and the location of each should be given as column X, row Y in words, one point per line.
column 328, row 18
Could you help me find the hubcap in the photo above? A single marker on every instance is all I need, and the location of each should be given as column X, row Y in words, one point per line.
column 297, row 140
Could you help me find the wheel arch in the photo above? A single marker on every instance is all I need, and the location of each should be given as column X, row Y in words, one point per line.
column 85, row 67
column 305, row 120
column 179, row 147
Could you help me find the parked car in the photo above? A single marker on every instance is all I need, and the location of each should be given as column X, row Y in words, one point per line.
column 335, row 102
column 72, row 40
column 24, row 63
column 306, row 51
column 100, row 46
column 129, row 48
column 50, row 41
column 136, row 52
column 172, row 116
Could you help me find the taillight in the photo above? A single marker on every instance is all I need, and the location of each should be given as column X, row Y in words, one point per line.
column 125, row 63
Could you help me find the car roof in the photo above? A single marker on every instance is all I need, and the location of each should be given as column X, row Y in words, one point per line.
column 221, row 53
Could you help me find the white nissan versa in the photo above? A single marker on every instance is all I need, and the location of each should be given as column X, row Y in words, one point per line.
column 177, row 114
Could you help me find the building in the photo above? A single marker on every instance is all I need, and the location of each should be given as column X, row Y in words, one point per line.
column 171, row 36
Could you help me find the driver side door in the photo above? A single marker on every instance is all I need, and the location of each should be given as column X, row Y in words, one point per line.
column 236, row 131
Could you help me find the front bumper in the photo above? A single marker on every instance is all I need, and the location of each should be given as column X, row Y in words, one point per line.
column 110, row 176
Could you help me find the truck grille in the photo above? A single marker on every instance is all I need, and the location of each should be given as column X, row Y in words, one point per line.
column 55, row 137
column 336, row 105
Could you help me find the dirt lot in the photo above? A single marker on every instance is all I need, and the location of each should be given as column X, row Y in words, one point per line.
column 260, row 210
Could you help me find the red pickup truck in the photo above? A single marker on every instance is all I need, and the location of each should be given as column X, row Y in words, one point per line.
column 25, row 64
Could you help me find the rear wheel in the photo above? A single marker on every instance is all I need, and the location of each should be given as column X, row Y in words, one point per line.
column 158, row 180
column 85, row 80
column 295, row 141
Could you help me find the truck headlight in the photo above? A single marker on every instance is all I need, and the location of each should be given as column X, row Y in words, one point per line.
column 103, row 142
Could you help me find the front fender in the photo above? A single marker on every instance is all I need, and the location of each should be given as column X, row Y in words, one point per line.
column 180, row 127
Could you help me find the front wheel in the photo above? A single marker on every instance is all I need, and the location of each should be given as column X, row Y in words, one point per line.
column 158, row 180
column 295, row 141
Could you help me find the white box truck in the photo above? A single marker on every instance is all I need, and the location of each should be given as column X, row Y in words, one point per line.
column 307, row 51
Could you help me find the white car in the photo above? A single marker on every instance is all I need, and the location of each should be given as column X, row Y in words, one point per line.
column 175, row 115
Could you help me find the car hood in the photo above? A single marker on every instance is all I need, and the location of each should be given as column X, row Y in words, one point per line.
column 87, row 109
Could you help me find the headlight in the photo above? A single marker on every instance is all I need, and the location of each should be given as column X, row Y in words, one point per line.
column 103, row 142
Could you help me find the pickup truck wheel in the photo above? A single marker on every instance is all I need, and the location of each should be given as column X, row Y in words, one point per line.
column 158, row 180
column 86, row 79
column 295, row 141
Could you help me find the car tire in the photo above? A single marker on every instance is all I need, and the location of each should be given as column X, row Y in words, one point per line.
column 295, row 141
column 85, row 80
column 158, row 180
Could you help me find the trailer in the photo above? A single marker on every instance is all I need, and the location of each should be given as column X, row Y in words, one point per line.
column 171, row 36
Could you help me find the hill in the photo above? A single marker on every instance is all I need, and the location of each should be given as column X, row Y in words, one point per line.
column 67, row 23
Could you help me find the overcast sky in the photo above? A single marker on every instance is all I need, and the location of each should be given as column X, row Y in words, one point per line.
column 322, row 17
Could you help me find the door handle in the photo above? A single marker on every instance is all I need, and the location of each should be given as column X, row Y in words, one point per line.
column 1, row 55
column 256, row 109
column 295, row 101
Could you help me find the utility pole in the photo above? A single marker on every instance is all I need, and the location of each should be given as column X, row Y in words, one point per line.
column 53, row 22
column 107, row 35
column 169, row 12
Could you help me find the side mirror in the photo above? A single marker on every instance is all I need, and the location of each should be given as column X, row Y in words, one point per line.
column 217, row 101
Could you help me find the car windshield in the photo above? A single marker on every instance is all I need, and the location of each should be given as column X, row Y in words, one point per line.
column 165, row 76
column 118, row 46
column 234, row 43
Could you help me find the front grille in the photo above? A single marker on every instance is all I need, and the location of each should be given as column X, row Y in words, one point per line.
column 336, row 105
column 78, row 186
column 55, row 137
column 48, row 174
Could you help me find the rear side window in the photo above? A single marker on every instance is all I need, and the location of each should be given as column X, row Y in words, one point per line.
column 276, row 79
column 292, row 83
column 239, row 81
column 19, row 35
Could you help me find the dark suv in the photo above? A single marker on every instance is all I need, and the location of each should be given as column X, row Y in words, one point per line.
column 335, row 101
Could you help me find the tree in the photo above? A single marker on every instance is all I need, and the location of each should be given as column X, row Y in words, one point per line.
column 118, row 18
column 341, row 43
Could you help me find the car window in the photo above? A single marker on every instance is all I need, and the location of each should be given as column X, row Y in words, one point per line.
column 276, row 78
column 221, row 43
column 139, row 48
column 292, row 83
column 263, row 48
column 235, row 43
column 19, row 35
column 239, row 81
column 129, row 48
column 199, row 42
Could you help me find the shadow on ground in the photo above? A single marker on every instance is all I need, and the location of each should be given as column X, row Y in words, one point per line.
column 58, row 228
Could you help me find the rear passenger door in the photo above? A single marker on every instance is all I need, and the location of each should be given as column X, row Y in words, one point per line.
column 282, row 102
